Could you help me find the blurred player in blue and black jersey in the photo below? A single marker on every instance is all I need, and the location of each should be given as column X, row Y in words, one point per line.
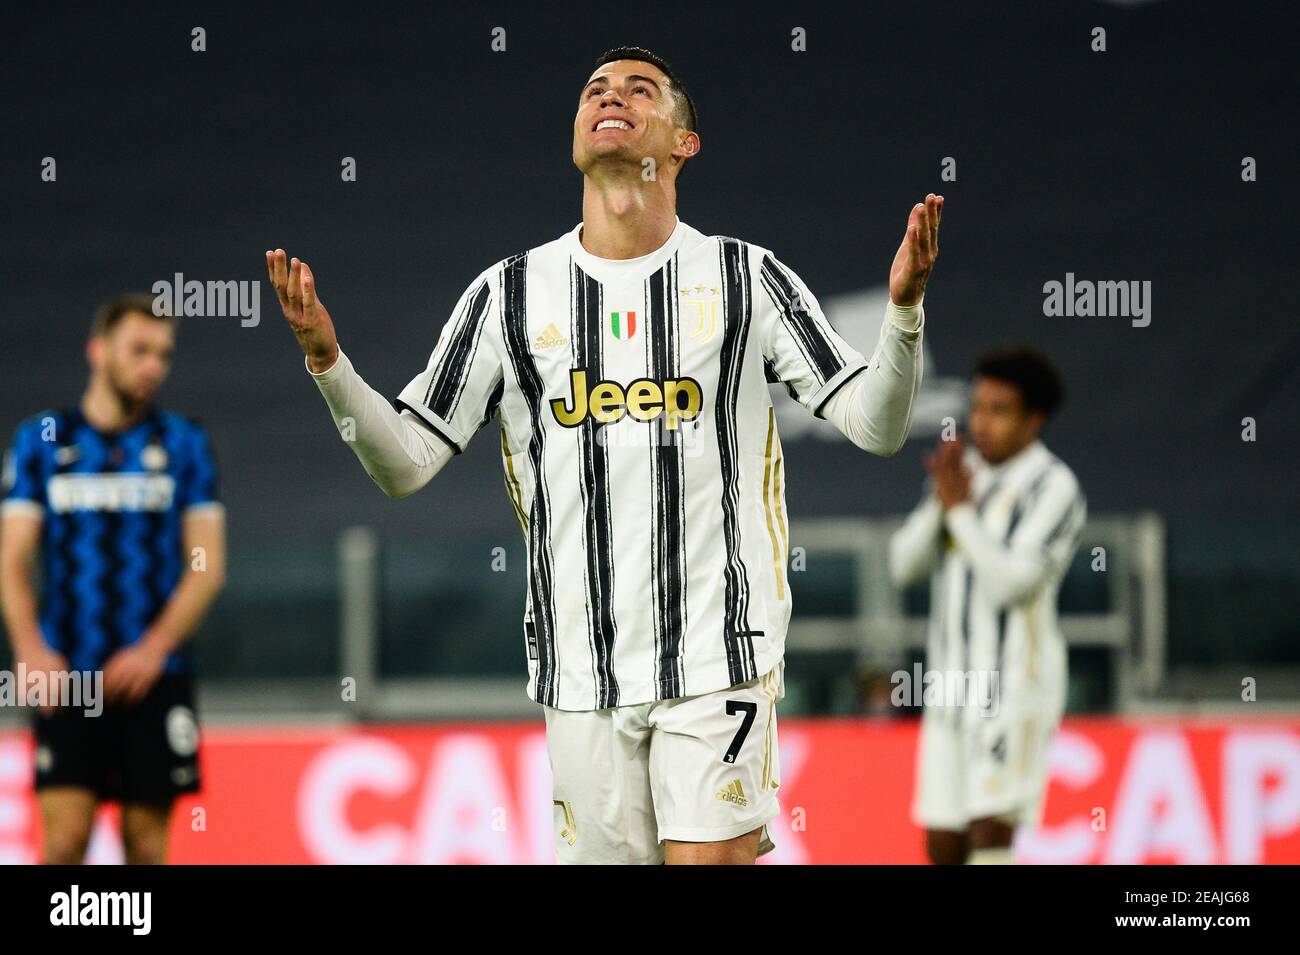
column 119, row 499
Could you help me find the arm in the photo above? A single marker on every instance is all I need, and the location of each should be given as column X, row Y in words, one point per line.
column 914, row 548
column 442, row 406
column 20, row 537
column 874, row 408
column 399, row 451
column 21, row 523
column 869, row 401
column 203, row 532
column 132, row 671
column 1041, row 544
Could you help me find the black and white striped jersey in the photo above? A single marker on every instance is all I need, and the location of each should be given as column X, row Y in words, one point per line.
column 996, row 563
column 640, row 453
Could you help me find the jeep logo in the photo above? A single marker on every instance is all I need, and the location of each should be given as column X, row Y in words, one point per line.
column 677, row 399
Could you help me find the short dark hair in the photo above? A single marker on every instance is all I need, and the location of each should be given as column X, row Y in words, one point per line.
column 110, row 313
column 1031, row 372
column 683, row 106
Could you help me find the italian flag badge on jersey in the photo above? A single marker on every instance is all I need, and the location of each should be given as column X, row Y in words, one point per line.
column 622, row 324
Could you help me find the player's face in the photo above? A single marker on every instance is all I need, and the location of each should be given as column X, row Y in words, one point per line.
column 999, row 425
column 625, row 113
column 136, row 356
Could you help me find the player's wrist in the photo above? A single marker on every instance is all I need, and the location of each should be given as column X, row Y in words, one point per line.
column 958, row 510
column 906, row 317
column 156, row 644
column 26, row 646
column 320, row 362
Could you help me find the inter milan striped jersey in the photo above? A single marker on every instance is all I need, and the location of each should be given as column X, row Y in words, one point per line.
column 640, row 453
column 111, row 532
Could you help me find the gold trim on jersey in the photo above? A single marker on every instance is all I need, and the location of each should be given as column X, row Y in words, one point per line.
column 1031, row 636
column 512, row 483
column 778, row 499
column 570, row 831
column 771, row 681
column 769, row 503
column 1029, row 739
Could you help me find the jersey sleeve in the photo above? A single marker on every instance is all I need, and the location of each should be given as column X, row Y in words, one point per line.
column 460, row 387
column 1040, row 543
column 915, row 547
column 198, row 483
column 1053, row 522
column 24, row 470
column 800, row 348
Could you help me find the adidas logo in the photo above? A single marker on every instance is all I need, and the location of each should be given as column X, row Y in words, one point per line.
column 733, row 792
column 549, row 338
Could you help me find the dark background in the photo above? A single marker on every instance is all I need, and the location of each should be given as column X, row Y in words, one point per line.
column 1123, row 165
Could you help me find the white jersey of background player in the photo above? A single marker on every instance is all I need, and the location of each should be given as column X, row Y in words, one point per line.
column 995, row 532
column 628, row 362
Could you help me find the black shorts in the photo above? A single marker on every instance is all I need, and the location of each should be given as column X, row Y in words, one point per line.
column 147, row 753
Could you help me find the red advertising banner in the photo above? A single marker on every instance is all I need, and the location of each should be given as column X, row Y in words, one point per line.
column 1120, row 792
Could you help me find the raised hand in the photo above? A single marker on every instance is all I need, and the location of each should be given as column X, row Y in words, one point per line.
column 952, row 479
column 917, row 253
column 295, row 287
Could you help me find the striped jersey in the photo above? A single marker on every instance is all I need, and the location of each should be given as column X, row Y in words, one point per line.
column 640, row 453
column 1001, row 618
column 111, row 505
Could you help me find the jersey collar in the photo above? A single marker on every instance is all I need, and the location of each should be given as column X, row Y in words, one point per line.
column 623, row 270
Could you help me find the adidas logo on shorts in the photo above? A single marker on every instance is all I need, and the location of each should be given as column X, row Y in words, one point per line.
column 733, row 792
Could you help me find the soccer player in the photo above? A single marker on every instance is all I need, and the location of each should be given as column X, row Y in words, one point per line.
column 119, row 498
column 995, row 530
column 629, row 361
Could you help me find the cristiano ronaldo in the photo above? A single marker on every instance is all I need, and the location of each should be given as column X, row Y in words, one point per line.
column 628, row 362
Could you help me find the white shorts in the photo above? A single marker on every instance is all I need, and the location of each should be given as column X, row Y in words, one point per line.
column 971, row 766
column 694, row 769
